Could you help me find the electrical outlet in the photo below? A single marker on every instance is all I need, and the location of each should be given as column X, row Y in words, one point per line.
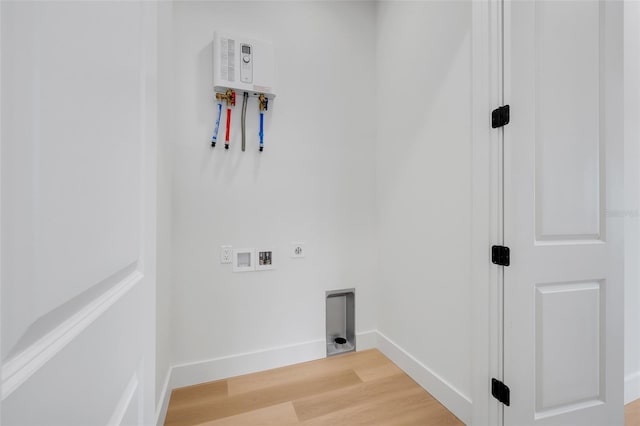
column 226, row 254
column 297, row 250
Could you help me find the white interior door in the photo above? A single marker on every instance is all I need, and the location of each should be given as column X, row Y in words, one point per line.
column 78, row 185
column 563, row 177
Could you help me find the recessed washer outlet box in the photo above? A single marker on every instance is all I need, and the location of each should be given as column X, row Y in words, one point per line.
column 341, row 321
column 265, row 259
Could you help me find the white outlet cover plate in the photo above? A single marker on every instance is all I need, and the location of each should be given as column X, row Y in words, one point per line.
column 226, row 254
column 298, row 250
column 266, row 258
column 244, row 260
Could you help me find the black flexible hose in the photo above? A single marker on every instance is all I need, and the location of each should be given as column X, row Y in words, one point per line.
column 243, row 118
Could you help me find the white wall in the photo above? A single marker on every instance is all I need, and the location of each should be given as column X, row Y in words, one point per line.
column 314, row 182
column 78, row 212
column 382, row 112
column 424, row 188
column 632, row 207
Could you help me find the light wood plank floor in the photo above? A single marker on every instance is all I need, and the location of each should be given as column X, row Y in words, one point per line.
column 361, row 388
column 632, row 413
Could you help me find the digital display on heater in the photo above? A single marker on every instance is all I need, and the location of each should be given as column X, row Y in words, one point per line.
column 246, row 48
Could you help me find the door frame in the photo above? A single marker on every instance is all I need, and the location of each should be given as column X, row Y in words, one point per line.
column 486, row 219
column 632, row 155
column 0, row 195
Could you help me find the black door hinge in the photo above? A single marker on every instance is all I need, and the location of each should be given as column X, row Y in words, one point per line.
column 500, row 116
column 500, row 391
column 500, row 255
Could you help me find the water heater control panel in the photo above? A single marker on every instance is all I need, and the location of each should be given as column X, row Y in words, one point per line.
column 246, row 64
column 243, row 64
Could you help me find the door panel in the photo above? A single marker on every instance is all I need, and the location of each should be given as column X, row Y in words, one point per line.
column 77, row 209
column 567, row 120
column 562, row 160
column 568, row 374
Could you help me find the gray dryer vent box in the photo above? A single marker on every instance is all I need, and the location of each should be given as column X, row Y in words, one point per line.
column 341, row 321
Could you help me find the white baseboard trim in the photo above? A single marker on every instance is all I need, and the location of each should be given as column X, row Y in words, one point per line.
column 245, row 363
column 449, row 396
column 366, row 340
column 163, row 403
column 251, row 362
column 632, row 387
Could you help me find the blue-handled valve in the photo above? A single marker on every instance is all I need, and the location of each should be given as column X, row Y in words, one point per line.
column 214, row 138
column 263, row 104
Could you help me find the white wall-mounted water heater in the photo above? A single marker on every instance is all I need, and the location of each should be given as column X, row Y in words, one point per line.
column 243, row 64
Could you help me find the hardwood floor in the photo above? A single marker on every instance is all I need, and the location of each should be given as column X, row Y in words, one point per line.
column 362, row 388
column 632, row 413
